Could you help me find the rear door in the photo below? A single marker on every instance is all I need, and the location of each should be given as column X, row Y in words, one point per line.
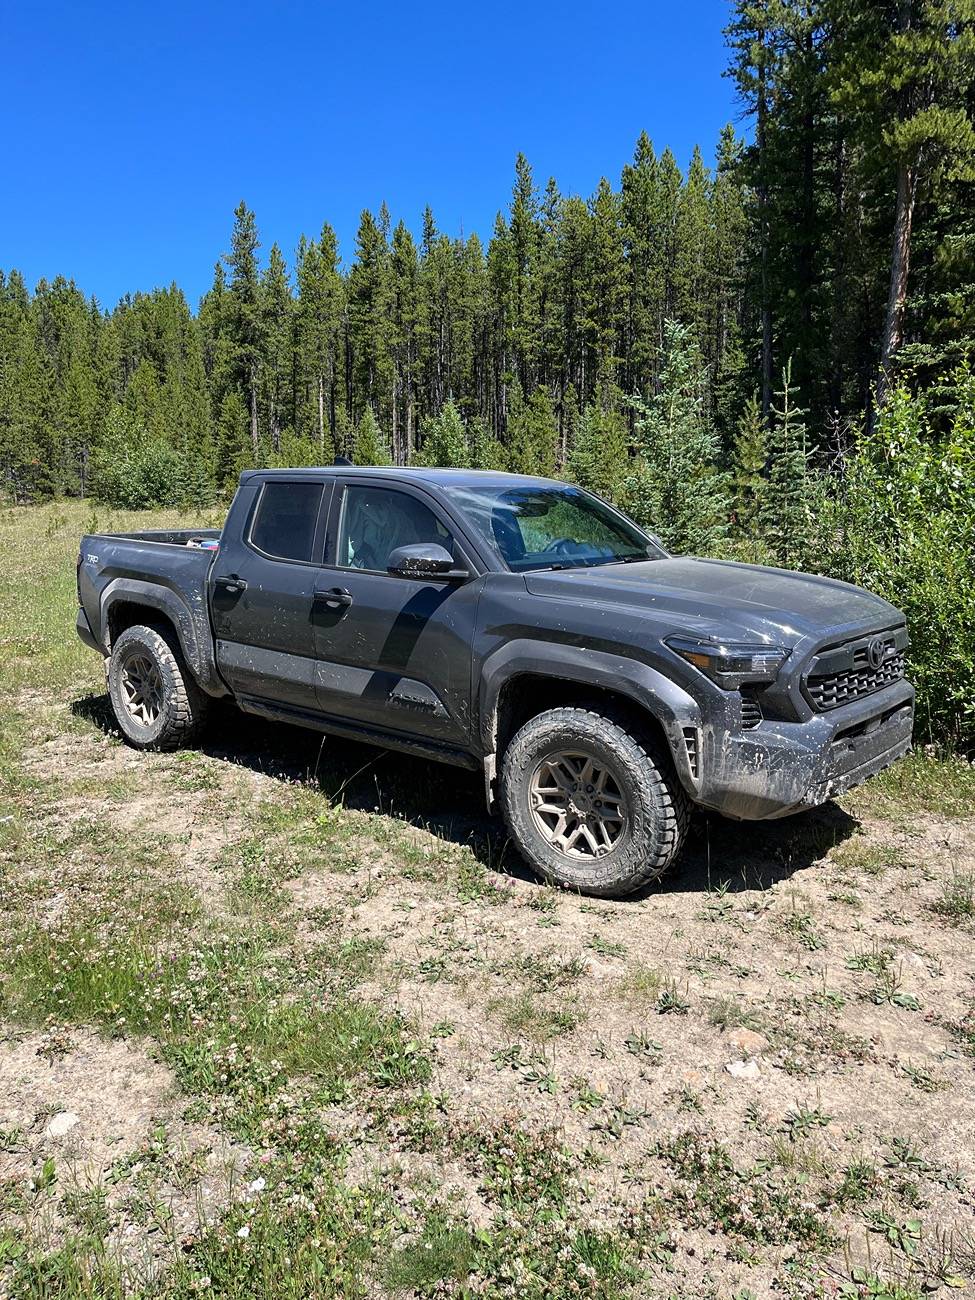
column 262, row 593
column 395, row 652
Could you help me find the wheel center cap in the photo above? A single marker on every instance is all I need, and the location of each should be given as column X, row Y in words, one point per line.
column 581, row 804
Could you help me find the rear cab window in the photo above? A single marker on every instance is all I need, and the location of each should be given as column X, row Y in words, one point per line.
column 285, row 521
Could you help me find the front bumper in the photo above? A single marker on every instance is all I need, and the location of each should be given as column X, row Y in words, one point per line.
column 782, row 767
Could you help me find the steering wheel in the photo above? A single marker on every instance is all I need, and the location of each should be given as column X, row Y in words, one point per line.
column 562, row 546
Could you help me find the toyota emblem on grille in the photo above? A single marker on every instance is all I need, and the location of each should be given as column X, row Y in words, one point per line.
column 877, row 651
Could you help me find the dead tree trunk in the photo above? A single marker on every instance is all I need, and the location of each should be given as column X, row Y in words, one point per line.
column 900, row 266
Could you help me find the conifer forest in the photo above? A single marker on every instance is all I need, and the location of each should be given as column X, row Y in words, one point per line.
column 765, row 355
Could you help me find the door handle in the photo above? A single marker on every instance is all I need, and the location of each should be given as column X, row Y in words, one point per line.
column 231, row 583
column 334, row 597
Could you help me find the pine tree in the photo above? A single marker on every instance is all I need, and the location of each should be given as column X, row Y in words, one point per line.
column 694, row 267
column 31, row 453
column 606, row 283
column 244, row 314
column 404, row 323
column 728, row 202
column 642, row 252
column 371, row 447
column 749, row 460
column 486, row 451
column 599, row 455
column 276, row 311
column 754, row 64
column 344, row 434
column 533, row 436
column 902, row 73
column 318, row 315
column 370, row 375
column 574, row 297
column 786, row 514
column 81, row 420
column 668, row 195
column 568, row 425
column 234, row 451
column 676, row 488
column 525, row 244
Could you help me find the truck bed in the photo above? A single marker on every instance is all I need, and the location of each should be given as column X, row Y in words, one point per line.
column 164, row 536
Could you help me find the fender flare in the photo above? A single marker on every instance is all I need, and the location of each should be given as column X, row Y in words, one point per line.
column 195, row 648
column 649, row 689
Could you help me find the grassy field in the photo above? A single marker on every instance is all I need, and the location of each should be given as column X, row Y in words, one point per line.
column 285, row 1017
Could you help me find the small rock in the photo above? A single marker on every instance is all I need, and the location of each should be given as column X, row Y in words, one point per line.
column 743, row 1069
column 61, row 1125
column 748, row 1042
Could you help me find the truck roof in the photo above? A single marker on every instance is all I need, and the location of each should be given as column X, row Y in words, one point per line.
column 441, row 477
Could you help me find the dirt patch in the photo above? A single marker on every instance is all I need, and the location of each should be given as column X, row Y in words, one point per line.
column 93, row 1129
column 615, row 1023
column 178, row 813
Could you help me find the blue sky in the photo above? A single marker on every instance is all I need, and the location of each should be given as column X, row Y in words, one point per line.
column 131, row 132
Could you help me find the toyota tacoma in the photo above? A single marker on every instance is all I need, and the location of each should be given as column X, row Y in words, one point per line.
column 515, row 626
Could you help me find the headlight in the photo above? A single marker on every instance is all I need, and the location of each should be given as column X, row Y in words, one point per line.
column 729, row 663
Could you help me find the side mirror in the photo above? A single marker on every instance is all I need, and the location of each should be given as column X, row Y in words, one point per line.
column 422, row 560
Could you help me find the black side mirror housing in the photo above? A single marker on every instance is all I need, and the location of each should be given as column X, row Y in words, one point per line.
column 423, row 560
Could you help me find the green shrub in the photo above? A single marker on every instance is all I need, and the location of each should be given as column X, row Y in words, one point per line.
column 903, row 525
column 134, row 470
column 444, row 440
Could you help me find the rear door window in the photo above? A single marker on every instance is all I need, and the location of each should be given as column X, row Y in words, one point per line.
column 286, row 520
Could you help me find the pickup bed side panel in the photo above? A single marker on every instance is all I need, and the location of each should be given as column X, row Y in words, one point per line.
column 167, row 578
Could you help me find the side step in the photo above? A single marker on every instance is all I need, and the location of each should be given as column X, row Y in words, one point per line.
column 293, row 713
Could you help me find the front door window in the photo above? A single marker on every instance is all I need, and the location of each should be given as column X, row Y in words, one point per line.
column 376, row 520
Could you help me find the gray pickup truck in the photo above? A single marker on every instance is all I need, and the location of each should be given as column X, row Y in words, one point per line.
column 515, row 626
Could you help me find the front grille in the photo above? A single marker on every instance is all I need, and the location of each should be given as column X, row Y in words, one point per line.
column 851, row 671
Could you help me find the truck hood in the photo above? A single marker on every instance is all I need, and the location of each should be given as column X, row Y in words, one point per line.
column 719, row 597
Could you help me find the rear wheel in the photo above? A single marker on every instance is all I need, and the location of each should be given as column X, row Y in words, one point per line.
column 156, row 702
column 591, row 803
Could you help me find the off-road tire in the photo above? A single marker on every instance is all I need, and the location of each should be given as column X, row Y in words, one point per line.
column 657, row 807
column 183, row 706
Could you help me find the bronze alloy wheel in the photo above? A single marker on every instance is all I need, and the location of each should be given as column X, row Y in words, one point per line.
column 578, row 805
column 142, row 688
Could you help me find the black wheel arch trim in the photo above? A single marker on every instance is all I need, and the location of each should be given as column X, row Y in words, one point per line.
column 194, row 641
column 651, row 691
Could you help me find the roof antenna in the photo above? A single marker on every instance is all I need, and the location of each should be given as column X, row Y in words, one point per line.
column 343, row 460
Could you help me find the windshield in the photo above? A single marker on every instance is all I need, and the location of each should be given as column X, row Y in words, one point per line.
column 552, row 527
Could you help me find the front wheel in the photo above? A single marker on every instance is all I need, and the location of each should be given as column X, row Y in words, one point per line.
column 590, row 803
column 156, row 702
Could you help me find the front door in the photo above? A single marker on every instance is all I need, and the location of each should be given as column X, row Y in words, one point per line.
column 263, row 595
column 394, row 652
